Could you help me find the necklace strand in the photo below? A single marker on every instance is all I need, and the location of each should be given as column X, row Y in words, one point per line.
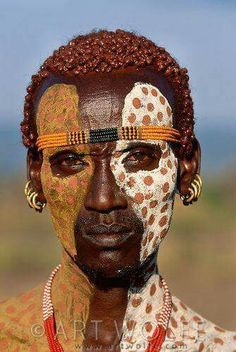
column 155, row 342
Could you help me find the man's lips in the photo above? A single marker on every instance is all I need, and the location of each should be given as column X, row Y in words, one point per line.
column 106, row 237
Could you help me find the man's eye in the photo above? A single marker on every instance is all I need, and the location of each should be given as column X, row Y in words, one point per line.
column 71, row 161
column 142, row 160
column 137, row 157
column 67, row 164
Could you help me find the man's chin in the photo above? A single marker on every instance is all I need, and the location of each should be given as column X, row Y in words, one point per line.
column 106, row 278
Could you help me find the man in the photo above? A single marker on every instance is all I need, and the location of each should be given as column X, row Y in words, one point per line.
column 109, row 130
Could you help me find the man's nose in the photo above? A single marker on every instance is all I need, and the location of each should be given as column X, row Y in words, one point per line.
column 103, row 194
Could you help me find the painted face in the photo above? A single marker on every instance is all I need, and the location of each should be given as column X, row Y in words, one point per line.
column 126, row 188
column 57, row 112
column 152, row 191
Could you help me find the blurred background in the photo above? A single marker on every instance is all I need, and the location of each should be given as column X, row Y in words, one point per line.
column 198, row 257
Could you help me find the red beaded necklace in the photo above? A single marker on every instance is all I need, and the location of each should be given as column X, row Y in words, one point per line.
column 50, row 325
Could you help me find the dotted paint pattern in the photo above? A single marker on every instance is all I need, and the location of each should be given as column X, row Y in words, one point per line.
column 142, row 314
column 187, row 331
column 58, row 111
column 152, row 194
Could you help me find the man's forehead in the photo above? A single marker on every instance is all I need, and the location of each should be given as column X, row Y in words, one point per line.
column 93, row 101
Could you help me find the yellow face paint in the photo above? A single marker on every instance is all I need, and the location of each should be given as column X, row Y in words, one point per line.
column 58, row 111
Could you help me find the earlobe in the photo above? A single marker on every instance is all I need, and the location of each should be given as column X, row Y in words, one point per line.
column 34, row 163
column 188, row 168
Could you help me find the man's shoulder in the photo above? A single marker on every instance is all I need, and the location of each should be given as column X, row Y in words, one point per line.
column 17, row 315
column 190, row 328
column 15, row 307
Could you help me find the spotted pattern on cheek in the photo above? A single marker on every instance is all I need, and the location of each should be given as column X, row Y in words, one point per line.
column 65, row 197
column 58, row 111
column 151, row 192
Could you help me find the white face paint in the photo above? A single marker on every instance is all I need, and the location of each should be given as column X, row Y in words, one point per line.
column 152, row 192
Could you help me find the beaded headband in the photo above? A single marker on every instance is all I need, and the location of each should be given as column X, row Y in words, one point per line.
column 107, row 135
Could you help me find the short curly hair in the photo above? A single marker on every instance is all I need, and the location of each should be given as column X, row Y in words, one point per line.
column 105, row 51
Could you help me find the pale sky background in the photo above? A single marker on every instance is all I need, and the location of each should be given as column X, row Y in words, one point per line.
column 200, row 34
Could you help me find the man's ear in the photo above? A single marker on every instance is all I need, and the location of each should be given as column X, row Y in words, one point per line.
column 188, row 167
column 34, row 163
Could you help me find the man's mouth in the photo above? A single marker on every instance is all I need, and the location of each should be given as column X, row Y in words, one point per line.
column 108, row 237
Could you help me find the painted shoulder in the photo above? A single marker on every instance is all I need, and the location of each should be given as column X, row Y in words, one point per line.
column 19, row 317
column 190, row 331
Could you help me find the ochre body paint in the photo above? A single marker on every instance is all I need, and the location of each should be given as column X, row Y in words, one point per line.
column 59, row 107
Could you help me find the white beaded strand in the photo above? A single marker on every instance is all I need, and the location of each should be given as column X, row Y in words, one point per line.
column 167, row 307
column 47, row 297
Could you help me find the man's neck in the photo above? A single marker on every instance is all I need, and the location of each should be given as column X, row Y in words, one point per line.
column 72, row 282
column 77, row 301
column 71, row 293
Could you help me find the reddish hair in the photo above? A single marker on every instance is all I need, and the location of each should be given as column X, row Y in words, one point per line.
column 105, row 51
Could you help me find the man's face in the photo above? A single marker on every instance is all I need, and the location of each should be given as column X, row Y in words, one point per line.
column 111, row 203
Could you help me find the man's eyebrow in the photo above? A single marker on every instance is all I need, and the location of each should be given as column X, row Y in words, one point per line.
column 66, row 151
column 133, row 145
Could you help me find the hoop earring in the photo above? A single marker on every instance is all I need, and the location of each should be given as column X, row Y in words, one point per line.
column 32, row 200
column 195, row 190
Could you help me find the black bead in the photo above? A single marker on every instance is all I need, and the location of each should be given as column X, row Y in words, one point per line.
column 103, row 135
